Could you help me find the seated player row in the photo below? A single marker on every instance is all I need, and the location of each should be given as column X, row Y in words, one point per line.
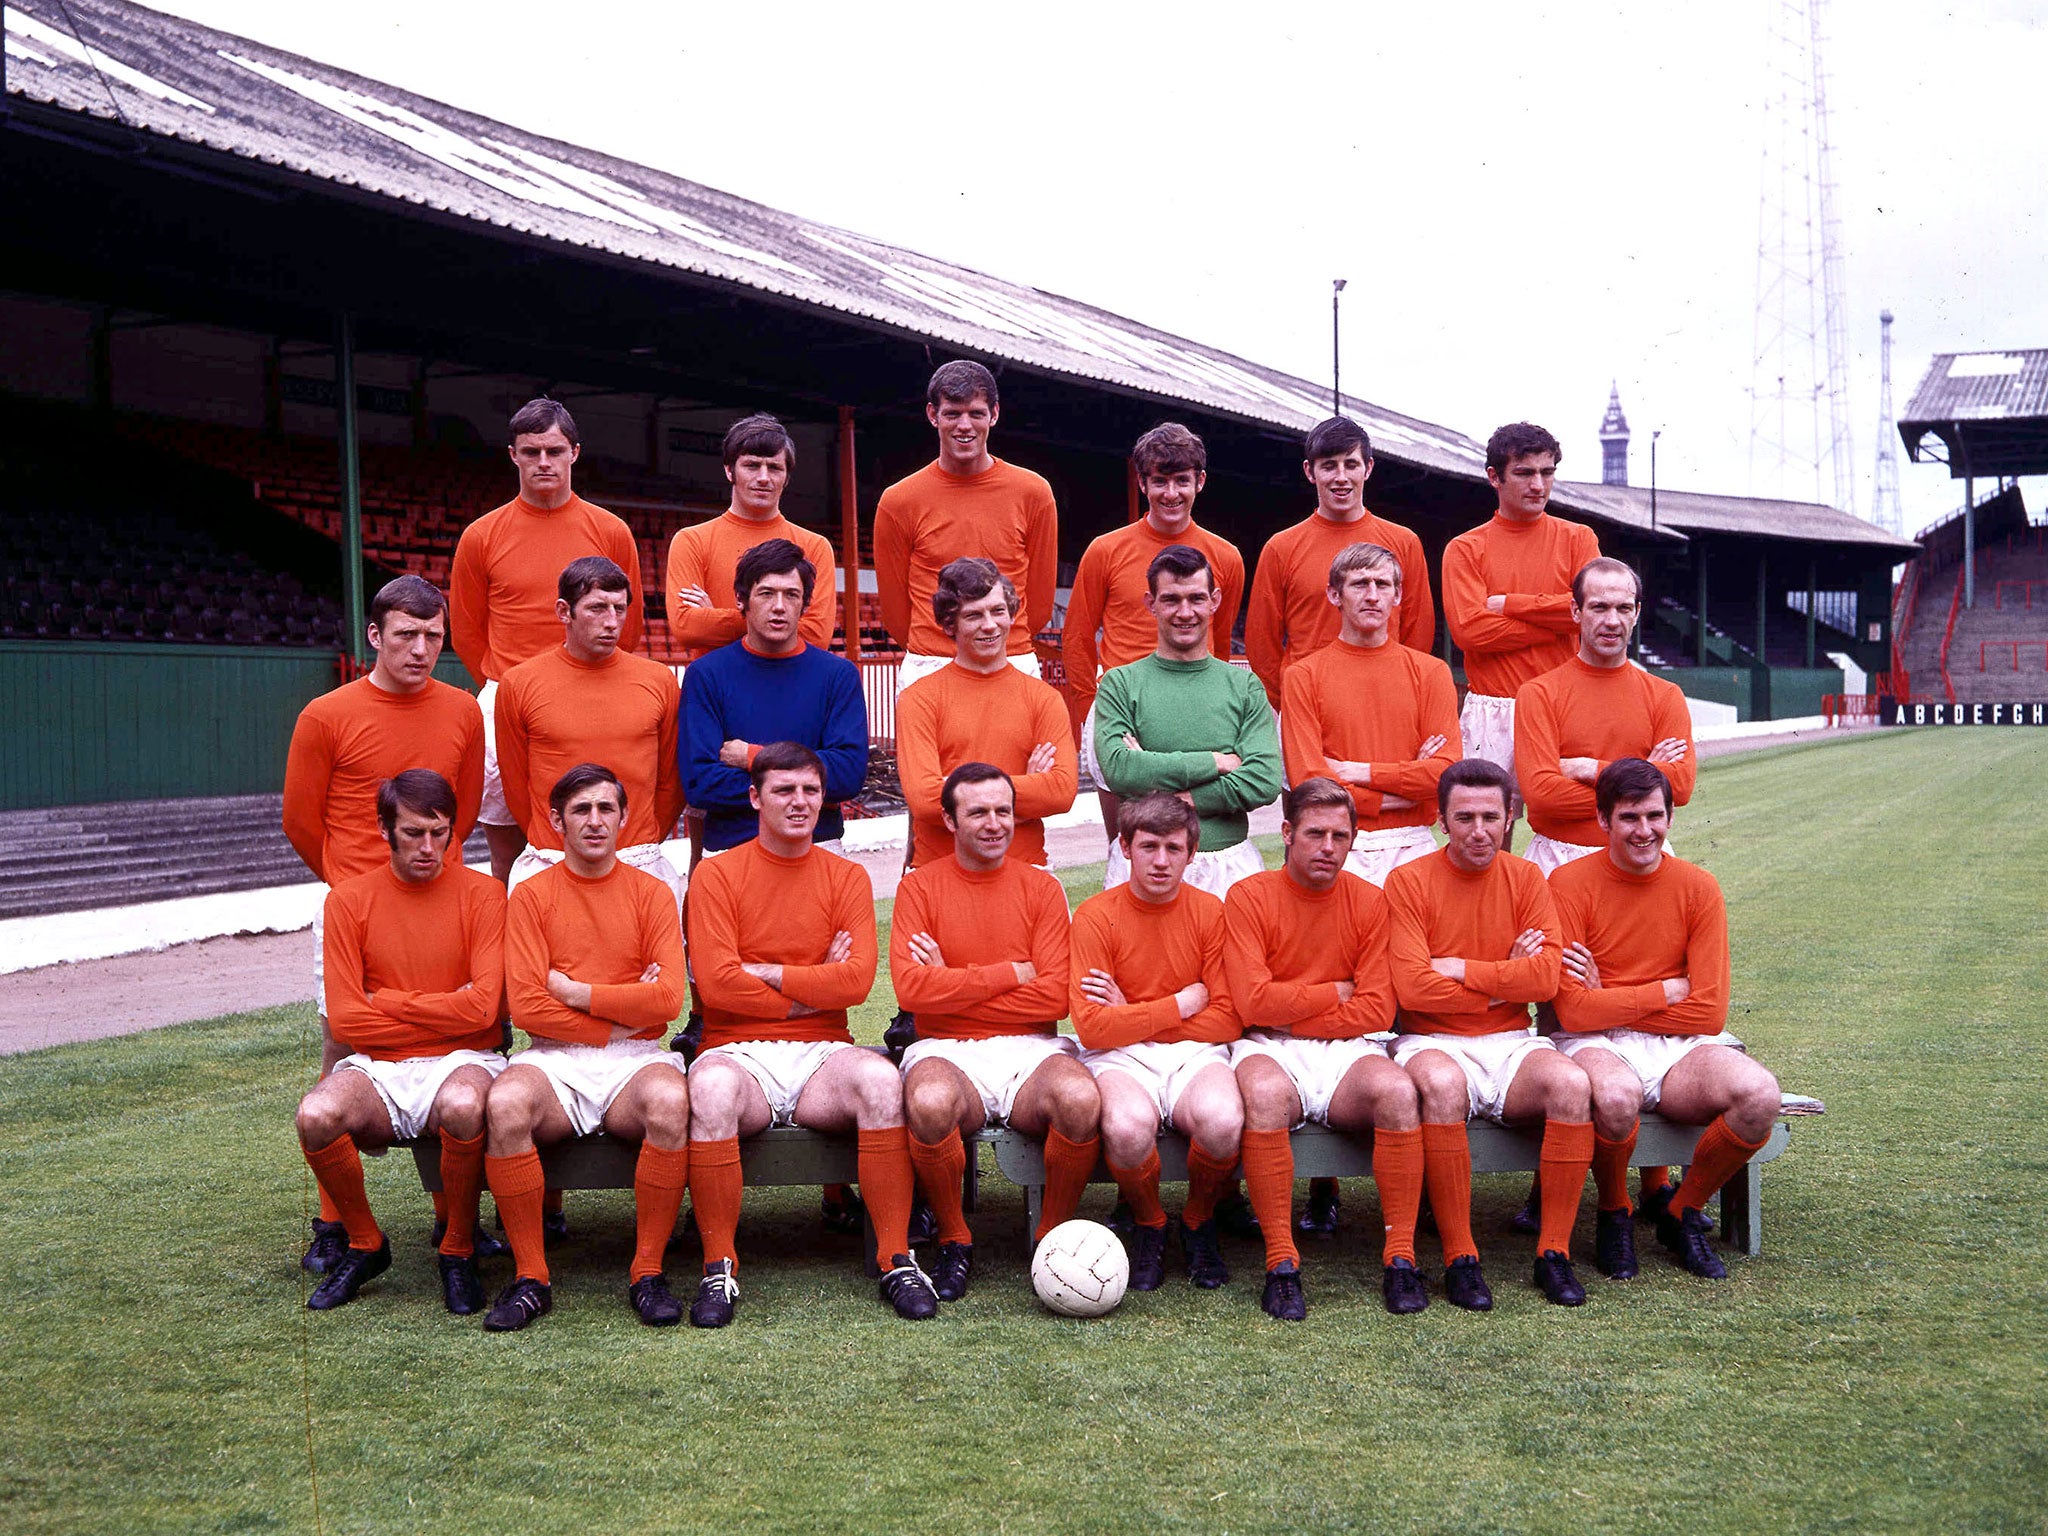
column 1231, row 1021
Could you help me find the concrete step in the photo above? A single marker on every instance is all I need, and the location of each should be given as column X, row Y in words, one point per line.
column 78, row 858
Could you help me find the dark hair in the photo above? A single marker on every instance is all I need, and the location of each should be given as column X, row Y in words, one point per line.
column 968, row 580
column 1474, row 773
column 1161, row 814
column 593, row 573
column 785, row 757
column 542, row 415
column 581, row 777
column 412, row 595
column 416, row 789
column 1515, row 439
column 1603, row 563
column 771, row 557
column 1314, row 793
column 1168, row 449
column 960, row 382
column 1334, row 437
column 1629, row 778
column 760, row 435
column 971, row 773
column 1362, row 557
column 1178, row 560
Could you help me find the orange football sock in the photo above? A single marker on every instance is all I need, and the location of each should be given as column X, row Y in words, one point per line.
column 1657, row 1177
column 1610, row 1169
column 1067, row 1167
column 835, row 1194
column 517, row 1184
column 339, row 1168
column 1140, row 1188
column 1447, row 1169
column 440, row 1196
column 715, row 1189
column 1269, row 1182
column 1397, row 1168
column 659, row 1179
column 1715, row 1159
column 1208, row 1178
column 1566, row 1154
column 328, row 1211
column 940, row 1166
column 462, row 1183
column 887, row 1182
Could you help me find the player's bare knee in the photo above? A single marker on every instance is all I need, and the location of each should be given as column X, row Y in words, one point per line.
column 1567, row 1093
column 1617, row 1106
column 510, row 1115
column 1129, row 1130
column 930, row 1107
column 1215, row 1125
column 459, row 1110
column 1393, row 1100
column 878, row 1097
column 1755, row 1105
column 1075, row 1104
column 714, row 1090
column 322, row 1120
column 1440, row 1091
column 1269, row 1102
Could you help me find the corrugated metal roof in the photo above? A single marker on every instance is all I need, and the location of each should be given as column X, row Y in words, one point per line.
column 175, row 78
column 1690, row 512
column 1981, row 386
column 163, row 75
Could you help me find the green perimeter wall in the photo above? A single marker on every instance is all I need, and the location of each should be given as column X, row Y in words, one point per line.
column 93, row 722
column 1782, row 693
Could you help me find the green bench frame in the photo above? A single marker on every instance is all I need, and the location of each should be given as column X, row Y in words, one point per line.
column 1320, row 1152
column 789, row 1157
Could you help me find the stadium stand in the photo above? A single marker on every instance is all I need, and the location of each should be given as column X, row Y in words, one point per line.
column 416, row 504
column 1997, row 650
column 140, row 550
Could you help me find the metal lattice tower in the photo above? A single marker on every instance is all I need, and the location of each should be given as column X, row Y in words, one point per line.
column 1884, row 500
column 1800, row 442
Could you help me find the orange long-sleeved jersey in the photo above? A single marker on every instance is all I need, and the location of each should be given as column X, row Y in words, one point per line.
column 605, row 932
column 705, row 555
column 1531, row 565
column 955, row 716
column 1643, row 930
column 752, row 907
column 555, row 712
column 1291, row 614
column 1605, row 713
column 927, row 520
column 349, row 741
column 508, row 567
column 1375, row 706
column 982, row 921
column 1152, row 950
column 1286, row 947
column 1439, row 910
column 415, row 970
column 1109, row 594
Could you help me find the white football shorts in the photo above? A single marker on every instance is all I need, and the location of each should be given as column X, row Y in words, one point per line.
column 409, row 1087
column 998, row 1067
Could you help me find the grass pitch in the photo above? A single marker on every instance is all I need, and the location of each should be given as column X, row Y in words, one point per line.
column 1881, row 1367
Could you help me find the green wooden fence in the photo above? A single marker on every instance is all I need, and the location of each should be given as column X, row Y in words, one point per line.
column 82, row 723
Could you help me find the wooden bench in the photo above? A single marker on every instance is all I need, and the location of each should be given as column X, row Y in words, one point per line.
column 791, row 1157
column 1322, row 1153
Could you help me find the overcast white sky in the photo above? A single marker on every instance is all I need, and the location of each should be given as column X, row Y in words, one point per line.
column 1527, row 200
